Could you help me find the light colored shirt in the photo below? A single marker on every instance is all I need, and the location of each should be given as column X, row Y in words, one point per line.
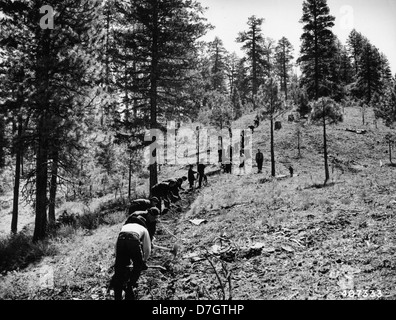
column 143, row 236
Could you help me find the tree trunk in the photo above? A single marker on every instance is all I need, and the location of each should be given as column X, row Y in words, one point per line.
column 176, row 144
column 208, row 148
column 153, row 91
column 316, row 57
column 41, row 180
column 165, row 160
column 272, row 148
column 363, row 112
column 130, row 175
column 220, row 152
column 53, row 188
column 19, row 147
column 298, row 143
column 43, row 53
column 284, row 71
column 231, row 148
column 327, row 174
column 254, row 67
column 390, row 151
column 243, row 141
column 197, row 146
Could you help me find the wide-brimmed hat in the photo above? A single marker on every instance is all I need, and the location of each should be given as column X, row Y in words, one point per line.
column 154, row 211
column 154, row 199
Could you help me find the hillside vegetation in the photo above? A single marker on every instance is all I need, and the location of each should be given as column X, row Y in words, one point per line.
column 260, row 237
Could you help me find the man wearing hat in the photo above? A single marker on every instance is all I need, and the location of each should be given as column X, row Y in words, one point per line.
column 142, row 204
column 162, row 191
column 176, row 186
column 133, row 243
column 151, row 216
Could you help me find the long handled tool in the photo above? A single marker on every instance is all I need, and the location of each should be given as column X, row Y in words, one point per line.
column 174, row 249
column 157, row 267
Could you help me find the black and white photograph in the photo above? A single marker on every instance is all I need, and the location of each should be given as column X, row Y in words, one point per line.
column 215, row 152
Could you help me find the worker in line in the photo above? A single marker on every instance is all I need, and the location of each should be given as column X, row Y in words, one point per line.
column 142, row 204
column 133, row 243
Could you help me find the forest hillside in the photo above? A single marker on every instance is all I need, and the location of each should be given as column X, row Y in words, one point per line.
column 250, row 236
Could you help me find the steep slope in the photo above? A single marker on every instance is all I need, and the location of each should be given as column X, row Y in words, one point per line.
column 258, row 237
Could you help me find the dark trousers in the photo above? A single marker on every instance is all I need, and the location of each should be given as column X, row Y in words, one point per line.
column 260, row 165
column 127, row 248
column 174, row 194
column 201, row 175
column 162, row 197
column 191, row 182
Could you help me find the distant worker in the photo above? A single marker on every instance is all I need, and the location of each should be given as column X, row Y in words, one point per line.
column 227, row 165
column 191, row 176
column 259, row 160
column 228, row 160
column 133, row 243
column 291, row 170
column 176, row 186
column 201, row 172
column 257, row 121
column 242, row 160
column 142, row 204
column 162, row 191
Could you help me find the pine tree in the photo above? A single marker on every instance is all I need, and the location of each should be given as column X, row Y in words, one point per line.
column 165, row 45
column 217, row 58
column 15, row 88
column 341, row 72
column 241, row 92
column 317, row 48
column 256, row 55
column 284, row 56
column 325, row 111
column 356, row 42
column 63, row 66
column 385, row 104
column 369, row 73
column 299, row 97
column 272, row 107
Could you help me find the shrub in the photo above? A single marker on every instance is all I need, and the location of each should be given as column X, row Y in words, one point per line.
column 18, row 251
column 89, row 220
column 66, row 219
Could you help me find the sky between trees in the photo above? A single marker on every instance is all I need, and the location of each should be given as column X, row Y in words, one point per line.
column 374, row 19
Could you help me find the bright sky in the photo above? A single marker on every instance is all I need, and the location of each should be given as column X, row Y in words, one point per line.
column 375, row 19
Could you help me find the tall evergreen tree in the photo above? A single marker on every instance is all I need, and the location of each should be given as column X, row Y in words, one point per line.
column 217, row 58
column 325, row 111
column 356, row 42
column 341, row 72
column 165, row 54
column 256, row 55
column 317, row 47
column 272, row 107
column 385, row 104
column 369, row 74
column 284, row 56
column 237, row 81
column 61, row 63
